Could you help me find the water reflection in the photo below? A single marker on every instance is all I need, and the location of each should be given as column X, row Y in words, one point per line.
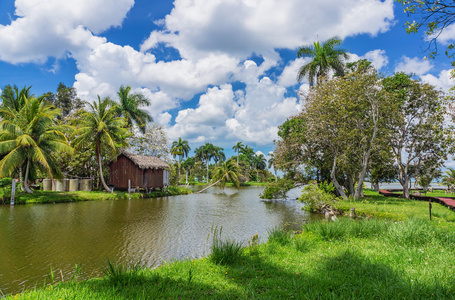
column 149, row 231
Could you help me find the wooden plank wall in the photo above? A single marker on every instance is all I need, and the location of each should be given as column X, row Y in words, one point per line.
column 124, row 169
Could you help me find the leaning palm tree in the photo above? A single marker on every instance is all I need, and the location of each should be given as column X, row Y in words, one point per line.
column 30, row 136
column 180, row 148
column 100, row 127
column 128, row 107
column 227, row 171
column 325, row 57
column 237, row 148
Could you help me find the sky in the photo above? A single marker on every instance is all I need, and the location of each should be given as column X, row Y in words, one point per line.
column 218, row 71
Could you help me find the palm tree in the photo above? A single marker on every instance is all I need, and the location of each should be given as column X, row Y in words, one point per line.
column 100, row 127
column 449, row 178
column 237, row 148
column 218, row 154
column 128, row 107
column 29, row 136
column 271, row 164
column 227, row 171
column 205, row 152
column 259, row 163
column 13, row 98
column 324, row 57
column 180, row 148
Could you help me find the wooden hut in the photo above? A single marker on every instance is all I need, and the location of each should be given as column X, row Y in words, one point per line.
column 145, row 172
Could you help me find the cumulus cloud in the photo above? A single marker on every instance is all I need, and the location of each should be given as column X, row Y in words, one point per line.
column 443, row 82
column 54, row 28
column 243, row 27
column 414, row 65
column 377, row 57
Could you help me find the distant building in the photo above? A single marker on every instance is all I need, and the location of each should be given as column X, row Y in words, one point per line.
column 145, row 172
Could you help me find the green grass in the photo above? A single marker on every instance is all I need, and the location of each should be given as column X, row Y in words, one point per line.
column 392, row 251
column 59, row 197
column 368, row 259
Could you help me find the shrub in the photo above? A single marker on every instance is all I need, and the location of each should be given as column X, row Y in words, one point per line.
column 315, row 198
column 278, row 189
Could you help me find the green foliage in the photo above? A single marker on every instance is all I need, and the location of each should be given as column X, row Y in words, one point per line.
column 315, row 198
column 325, row 57
column 224, row 252
column 327, row 187
column 171, row 191
column 277, row 189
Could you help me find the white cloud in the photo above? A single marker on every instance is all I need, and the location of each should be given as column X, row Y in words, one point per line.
column 377, row 57
column 289, row 75
column 413, row 65
column 443, row 82
column 54, row 28
column 242, row 27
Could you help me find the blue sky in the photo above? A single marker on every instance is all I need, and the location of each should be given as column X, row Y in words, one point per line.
column 218, row 71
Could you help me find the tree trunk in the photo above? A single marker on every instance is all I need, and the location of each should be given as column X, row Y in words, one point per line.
column 237, row 158
column 21, row 179
column 257, row 175
column 101, row 174
column 375, row 186
column 27, row 171
column 207, row 179
column 208, row 187
column 334, row 180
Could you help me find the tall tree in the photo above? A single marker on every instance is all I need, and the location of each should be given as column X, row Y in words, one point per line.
column 418, row 135
column 129, row 108
column 180, row 148
column 66, row 99
column 100, row 127
column 30, row 136
column 271, row 164
column 237, row 148
column 205, row 152
column 153, row 142
column 325, row 57
column 259, row 163
column 218, row 154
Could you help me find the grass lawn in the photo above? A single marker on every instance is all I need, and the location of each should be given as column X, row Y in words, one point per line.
column 391, row 252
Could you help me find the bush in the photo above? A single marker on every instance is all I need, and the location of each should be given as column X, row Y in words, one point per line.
column 315, row 198
column 278, row 189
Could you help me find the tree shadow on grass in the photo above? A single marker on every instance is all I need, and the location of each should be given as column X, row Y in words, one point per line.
column 347, row 275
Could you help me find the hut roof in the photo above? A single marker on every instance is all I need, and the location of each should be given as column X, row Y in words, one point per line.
column 146, row 162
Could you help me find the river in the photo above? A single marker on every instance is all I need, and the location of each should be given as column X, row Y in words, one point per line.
column 36, row 238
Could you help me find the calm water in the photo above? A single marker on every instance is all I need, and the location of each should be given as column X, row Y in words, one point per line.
column 35, row 237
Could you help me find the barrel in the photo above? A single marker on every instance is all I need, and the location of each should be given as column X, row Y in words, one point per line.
column 73, row 185
column 47, row 184
column 58, row 185
column 86, row 185
column 66, row 185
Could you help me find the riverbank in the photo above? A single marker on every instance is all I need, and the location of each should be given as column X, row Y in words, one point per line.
column 391, row 252
column 41, row 197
